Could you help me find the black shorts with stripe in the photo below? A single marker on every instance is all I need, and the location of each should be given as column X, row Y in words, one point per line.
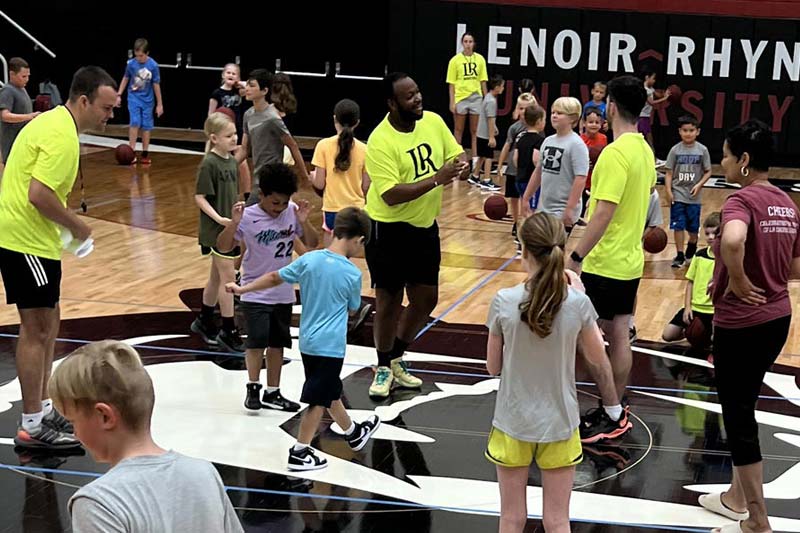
column 30, row 281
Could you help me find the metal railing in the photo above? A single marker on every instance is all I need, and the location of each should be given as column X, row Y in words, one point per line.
column 337, row 74
column 37, row 44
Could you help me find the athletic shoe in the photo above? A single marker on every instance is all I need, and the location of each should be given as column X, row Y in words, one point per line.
column 305, row 459
column 402, row 377
column 474, row 180
column 382, row 382
column 45, row 437
column 251, row 401
column 207, row 332
column 230, row 341
column 145, row 161
column 490, row 186
column 56, row 421
column 274, row 400
column 678, row 261
column 358, row 319
column 362, row 432
column 596, row 426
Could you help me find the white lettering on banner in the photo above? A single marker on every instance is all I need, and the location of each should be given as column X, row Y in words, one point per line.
column 616, row 50
column 536, row 48
column 558, row 49
column 622, row 46
column 594, row 49
column 792, row 64
column 496, row 44
column 752, row 57
column 680, row 49
column 723, row 58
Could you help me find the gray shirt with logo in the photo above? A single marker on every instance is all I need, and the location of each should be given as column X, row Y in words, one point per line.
column 18, row 102
column 688, row 163
column 537, row 400
column 488, row 110
column 264, row 130
column 562, row 158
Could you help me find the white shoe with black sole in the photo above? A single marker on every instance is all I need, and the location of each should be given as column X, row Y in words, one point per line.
column 305, row 459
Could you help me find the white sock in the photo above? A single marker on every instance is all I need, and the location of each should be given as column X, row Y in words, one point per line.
column 47, row 407
column 614, row 412
column 298, row 446
column 252, row 382
column 351, row 429
column 31, row 421
column 270, row 390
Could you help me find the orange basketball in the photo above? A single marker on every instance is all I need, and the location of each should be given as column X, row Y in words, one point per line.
column 124, row 154
column 675, row 93
column 655, row 240
column 495, row 207
column 697, row 335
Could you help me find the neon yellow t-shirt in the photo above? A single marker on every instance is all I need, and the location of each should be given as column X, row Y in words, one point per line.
column 342, row 189
column 467, row 73
column 47, row 149
column 700, row 272
column 624, row 174
column 395, row 158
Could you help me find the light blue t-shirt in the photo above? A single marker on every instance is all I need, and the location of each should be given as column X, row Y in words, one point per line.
column 141, row 77
column 330, row 285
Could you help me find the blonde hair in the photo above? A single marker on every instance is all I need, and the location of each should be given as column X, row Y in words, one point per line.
column 105, row 372
column 543, row 237
column 569, row 106
column 234, row 65
column 214, row 125
column 524, row 99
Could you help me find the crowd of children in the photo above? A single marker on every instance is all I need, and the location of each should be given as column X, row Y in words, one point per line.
column 249, row 221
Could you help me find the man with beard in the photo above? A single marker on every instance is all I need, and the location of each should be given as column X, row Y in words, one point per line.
column 411, row 156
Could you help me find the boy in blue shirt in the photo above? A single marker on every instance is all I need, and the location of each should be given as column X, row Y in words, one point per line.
column 145, row 82
column 330, row 286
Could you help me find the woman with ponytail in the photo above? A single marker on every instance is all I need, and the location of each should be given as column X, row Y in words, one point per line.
column 535, row 329
column 339, row 166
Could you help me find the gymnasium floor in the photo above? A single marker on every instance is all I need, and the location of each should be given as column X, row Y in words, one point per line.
column 424, row 470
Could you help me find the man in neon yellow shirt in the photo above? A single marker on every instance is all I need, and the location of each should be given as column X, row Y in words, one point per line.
column 38, row 178
column 411, row 156
column 612, row 243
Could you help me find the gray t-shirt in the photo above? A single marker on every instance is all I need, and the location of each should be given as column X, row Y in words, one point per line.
column 155, row 493
column 562, row 158
column 688, row 163
column 537, row 400
column 488, row 110
column 654, row 215
column 511, row 140
column 647, row 110
column 264, row 130
column 18, row 102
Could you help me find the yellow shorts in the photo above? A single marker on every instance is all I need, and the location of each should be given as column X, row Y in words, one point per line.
column 504, row 450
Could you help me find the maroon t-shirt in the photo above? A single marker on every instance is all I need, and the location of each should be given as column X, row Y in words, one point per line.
column 772, row 242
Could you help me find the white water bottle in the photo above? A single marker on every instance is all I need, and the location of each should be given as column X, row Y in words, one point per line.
column 79, row 248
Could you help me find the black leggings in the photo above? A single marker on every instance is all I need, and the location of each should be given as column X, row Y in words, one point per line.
column 742, row 357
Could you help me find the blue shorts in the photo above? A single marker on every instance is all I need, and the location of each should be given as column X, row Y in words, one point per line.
column 141, row 115
column 521, row 186
column 328, row 221
column 684, row 217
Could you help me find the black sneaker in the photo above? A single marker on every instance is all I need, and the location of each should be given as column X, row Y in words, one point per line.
column 305, row 459
column 251, row 401
column 45, row 437
column 358, row 319
column 274, row 400
column 208, row 332
column 56, row 421
column 596, row 426
column 363, row 432
column 230, row 341
column 632, row 334
column 678, row 261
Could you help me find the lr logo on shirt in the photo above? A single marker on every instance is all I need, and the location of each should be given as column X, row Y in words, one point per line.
column 470, row 70
column 551, row 159
column 421, row 155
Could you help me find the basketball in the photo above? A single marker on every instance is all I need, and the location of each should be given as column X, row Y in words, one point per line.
column 124, row 154
column 696, row 334
column 495, row 207
column 655, row 240
column 675, row 93
column 227, row 111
